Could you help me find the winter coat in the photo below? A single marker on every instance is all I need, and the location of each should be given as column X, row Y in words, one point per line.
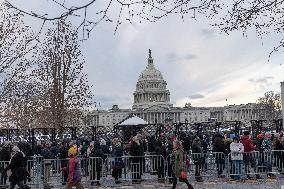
column 205, row 144
column 84, row 150
column 178, row 164
column 218, row 144
column 247, row 142
column 74, row 167
column 278, row 145
column 96, row 157
column 136, row 150
column 266, row 145
column 219, row 149
column 17, row 167
column 197, row 152
column 151, row 144
column 54, row 151
column 279, row 149
column 5, row 154
column 117, row 153
column 237, row 150
column 37, row 150
column 227, row 143
column 105, row 150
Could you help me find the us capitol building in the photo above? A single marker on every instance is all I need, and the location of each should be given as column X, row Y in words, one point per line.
column 152, row 103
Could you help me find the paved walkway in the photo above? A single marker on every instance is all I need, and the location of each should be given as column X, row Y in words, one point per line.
column 265, row 184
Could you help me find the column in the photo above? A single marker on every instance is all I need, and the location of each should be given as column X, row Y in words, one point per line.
column 147, row 97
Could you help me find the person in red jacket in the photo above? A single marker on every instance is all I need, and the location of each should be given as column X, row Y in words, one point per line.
column 248, row 155
column 74, row 176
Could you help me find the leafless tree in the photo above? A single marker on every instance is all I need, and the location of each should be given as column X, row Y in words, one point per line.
column 92, row 12
column 270, row 106
column 263, row 16
column 63, row 88
column 16, row 44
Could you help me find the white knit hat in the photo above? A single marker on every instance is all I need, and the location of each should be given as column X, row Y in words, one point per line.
column 16, row 149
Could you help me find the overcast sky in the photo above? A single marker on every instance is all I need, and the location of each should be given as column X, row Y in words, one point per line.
column 201, row 65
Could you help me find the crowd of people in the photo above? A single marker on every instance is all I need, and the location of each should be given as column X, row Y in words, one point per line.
column 175, row 152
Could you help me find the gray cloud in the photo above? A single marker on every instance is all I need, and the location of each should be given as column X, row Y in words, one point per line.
column 173, row 57
column 190, row 56
column 261, row 82
column 196, row 96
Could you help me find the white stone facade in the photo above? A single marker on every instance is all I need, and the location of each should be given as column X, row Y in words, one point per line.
column 151, row 88
column 152, row 103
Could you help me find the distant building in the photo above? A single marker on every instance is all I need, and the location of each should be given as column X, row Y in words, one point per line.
column 152, row 103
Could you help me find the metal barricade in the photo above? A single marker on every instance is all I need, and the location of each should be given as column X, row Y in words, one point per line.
column 200, row 165
column 278, row 161
column 51, row 172
column 211, row 165
column 34, row 170
column 136, row 168
column 95, row 170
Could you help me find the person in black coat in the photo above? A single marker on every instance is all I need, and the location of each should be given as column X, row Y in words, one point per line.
column 197, row 158
column 63, row 155
column 117, row 153
column 96, row 162
column 219, row 151
column 137, row 153
column 17, row 168
column 4, row 157
column 105, row 148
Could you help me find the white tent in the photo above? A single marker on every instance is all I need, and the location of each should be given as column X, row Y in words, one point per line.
column 134, row 121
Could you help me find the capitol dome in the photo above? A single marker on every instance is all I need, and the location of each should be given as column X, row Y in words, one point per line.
column 151, row 88
column 150, row 73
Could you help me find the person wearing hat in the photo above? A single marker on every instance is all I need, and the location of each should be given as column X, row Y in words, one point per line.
column 74, row 176
column 17, row 168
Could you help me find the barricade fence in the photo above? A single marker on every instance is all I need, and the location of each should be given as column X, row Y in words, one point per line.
column 211, row 165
